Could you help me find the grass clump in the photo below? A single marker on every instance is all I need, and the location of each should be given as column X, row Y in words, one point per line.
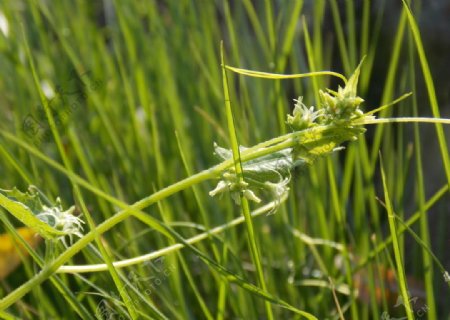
column 119, row 112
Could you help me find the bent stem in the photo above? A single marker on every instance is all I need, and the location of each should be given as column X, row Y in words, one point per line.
column 170, row 249
column 270, row 146
column 249, row 154
column 53, row 266
column 315, row 135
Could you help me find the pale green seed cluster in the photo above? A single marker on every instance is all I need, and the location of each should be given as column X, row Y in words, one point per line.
column 336, row 108
column 61, row 220
column 270, row 174
column 50, row 222
column 303, row 117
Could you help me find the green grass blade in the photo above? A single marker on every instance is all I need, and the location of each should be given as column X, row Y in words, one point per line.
column 401, row 278
column 430, row 88
column 244, row 202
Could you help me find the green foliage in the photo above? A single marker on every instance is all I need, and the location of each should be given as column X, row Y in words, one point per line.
column 49, row 222
column 113, row 106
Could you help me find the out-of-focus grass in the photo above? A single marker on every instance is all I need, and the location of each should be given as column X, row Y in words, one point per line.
column 130, row 84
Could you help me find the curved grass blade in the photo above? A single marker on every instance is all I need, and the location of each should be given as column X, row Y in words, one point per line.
column 275, row 76
column 430, row 88
column 397, row 253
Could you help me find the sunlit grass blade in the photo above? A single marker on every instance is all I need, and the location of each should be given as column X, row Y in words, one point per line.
column 243, row 200
column 401, row 279
column 274, row 76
